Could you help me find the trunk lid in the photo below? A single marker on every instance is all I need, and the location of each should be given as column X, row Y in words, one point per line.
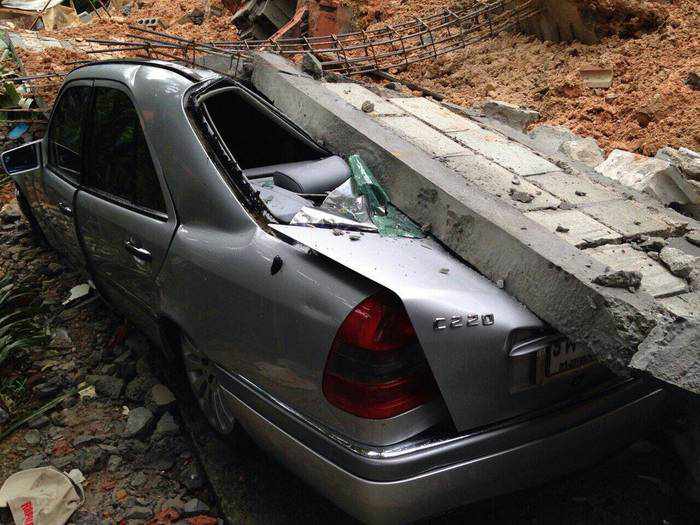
column 466, row 325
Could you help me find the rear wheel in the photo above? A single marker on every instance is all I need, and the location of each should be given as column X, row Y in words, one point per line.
column 202, row 375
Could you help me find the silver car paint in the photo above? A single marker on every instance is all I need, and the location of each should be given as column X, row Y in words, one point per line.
column 277, row 330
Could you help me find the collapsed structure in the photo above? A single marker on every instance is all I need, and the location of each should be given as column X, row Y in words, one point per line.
column 604, row 264
column 559, row 237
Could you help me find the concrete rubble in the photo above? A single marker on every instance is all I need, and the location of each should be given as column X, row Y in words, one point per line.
column 460, row 175
column 671, row 177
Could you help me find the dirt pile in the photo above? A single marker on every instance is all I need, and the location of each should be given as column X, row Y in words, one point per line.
column 625, row 18
column 649, row 105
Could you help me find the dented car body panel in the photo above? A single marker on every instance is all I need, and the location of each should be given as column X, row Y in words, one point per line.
column 264, row 301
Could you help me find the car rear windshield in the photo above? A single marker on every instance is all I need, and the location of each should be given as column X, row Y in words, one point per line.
column 253, row 135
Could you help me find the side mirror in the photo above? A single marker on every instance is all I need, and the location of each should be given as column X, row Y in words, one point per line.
column 24, row 158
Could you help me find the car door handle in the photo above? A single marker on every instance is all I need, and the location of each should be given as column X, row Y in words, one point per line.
column 138, row 252
column 65, row 209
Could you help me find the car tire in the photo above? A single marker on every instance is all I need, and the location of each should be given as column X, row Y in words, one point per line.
column 202, row 375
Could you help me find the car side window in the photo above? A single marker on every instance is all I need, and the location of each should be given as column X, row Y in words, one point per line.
column 65, row 132
column 121, row 162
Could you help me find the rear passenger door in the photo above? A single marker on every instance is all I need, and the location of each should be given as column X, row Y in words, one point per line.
column 55, row 190
column 125, row 217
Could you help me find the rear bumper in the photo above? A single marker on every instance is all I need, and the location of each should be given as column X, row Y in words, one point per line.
column 415, row 480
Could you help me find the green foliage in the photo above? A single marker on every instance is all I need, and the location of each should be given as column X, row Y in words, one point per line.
column 18, row 330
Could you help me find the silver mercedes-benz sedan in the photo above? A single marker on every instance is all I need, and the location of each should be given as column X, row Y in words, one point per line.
column 305, row 307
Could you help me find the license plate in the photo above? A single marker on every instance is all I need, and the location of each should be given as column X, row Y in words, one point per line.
column 564, row 356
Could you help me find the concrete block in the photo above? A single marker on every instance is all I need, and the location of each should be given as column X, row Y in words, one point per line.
column 671, row 353
column 497, row 181
column 544, row 272
column 514, row 116
column 356, row 95
column 686, row 306
column 572, row 188
column 423, row 136
column 575, row 227
column 583, row 150
column 652, row 176
column 434, row 114
column 627, row 218
column 508, row 154
column 657, row 281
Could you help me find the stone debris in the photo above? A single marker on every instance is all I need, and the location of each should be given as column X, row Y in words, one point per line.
column 562, row 229
column 139, row 423
column 367, row 106
column 521, row 196
column 585, row 150
column 652, row 244
column 195, row 507
column 166, row 426
column 678, row 262
column 650, row 175
column 312, row 65
column 109, row 386
column 671, row 352
column 515, row 116
column 138, row 513
column 34, row 461
column 160, row 399
column 620, row 279
column 693, row 237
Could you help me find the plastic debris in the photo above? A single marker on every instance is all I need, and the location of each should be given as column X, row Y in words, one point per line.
column 18, row 131
column 77, row 292
column 42, row 496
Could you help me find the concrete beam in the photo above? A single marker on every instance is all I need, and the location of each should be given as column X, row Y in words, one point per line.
column 546, row 273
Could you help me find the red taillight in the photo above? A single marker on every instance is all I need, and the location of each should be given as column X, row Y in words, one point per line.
column 376, row 368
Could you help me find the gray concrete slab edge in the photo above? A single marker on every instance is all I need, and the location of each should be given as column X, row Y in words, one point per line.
column 544, row 272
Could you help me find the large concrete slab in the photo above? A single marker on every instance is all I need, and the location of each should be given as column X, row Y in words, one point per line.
column 550, row 276
column 434, row 114
column 508, row 154
column 656, row 279
column 627, row 218
column 498, row 181
column 424, row 136
column 356, row 95
column 576, row 228
column 573, row 189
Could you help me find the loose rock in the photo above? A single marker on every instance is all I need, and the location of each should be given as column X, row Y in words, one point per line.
column 139, row 423
column 107, row 386
column 368, row 106
column 37, row 460
column 620, row 279
column 521, row 196
column 33, row 437
column 166, row 426
column 160, row 399
column 693, row 237
column 138, row 513
column 677, row 261
column 195, row 507
column 510, row 114
column 585, row 150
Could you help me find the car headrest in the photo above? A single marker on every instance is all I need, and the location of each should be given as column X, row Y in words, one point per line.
column 315, row 177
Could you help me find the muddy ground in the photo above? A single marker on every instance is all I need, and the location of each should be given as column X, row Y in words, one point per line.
column 652, row 46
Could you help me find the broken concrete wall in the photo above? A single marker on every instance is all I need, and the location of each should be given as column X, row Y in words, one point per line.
column 419, row 164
